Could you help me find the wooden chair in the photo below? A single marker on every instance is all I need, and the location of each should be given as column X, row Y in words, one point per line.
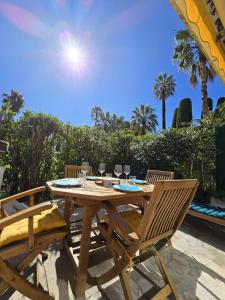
column 154, row 175
column 151, row 177
column 13, row 206
column 132, row 237
column 28, row 233
column 72, row 171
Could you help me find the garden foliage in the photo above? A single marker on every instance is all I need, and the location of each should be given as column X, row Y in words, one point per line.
column 41, row 145
column 220, row 157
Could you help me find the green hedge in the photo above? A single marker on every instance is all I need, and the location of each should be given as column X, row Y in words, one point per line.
column 40, row 146
column 220, row 157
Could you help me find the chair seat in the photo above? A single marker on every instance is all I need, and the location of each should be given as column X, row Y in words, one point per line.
column 208, row 210
column 131, row 217
column 46, row 220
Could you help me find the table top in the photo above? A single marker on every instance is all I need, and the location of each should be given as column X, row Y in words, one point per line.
column 98, row 193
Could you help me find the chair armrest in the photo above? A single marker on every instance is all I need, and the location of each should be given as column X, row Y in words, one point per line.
column 116, row 220
column 22, row 195
column 26, row 213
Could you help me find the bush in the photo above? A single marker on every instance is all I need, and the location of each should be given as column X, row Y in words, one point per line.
column 29, row 160
column 170, row 150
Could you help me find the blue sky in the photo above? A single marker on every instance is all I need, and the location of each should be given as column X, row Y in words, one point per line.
column 124, row 45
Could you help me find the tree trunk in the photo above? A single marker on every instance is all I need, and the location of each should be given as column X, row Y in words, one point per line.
column 163, row 113
column 204, row 91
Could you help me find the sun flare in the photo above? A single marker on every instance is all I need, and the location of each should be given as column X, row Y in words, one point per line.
column 74, row 55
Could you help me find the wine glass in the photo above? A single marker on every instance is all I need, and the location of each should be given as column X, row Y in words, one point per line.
column 132, row 179
column 85, row 169
column 101, row 168
column 126, row 170
column 118, row 170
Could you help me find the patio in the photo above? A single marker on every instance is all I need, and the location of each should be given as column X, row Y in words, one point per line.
column 65, row 231
column 198, row 268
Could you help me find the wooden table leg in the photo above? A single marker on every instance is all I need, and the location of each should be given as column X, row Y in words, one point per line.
column 84, row 252
column 67, row 214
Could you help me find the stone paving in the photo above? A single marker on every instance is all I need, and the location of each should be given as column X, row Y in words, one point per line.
column 198, row 269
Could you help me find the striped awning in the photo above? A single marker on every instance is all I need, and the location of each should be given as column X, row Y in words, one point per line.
column 206, row 20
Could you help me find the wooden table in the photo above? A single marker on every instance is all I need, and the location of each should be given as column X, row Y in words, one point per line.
column 90, row 198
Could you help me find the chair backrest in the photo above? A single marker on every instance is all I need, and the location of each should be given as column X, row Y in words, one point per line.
column 72, row 171
column 167, row 208
column 2, row 170
column 154, row 175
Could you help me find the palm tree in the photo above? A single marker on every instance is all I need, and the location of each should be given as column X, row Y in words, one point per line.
column 11, row 106
column 190, row 58
column 163, row 88
column 96, row 115
column 12, row 103
column 144, row 119
column 107, row 121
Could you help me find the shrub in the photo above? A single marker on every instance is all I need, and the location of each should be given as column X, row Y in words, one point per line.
column 170, row 150
column 29, row 161
column 220, row 157
column 40, row 146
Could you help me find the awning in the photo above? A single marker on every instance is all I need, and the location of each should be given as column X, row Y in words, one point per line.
column 206, row 20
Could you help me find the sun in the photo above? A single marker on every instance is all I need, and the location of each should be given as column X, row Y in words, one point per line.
column 74, row 55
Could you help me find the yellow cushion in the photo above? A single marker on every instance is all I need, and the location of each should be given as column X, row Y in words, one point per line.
column 46, row 220
column 131, row 217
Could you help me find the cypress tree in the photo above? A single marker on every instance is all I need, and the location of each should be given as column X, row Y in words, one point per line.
column 185, row 112
column 220, row 100
column 174, row 122
column 210, row 104
column 178, row 119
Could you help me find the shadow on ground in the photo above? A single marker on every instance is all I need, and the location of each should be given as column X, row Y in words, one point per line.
column 185, row 271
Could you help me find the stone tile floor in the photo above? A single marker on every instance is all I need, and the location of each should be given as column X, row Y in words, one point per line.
column 198, row 269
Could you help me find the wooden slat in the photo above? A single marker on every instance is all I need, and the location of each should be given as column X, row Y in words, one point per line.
column 26, row 213
column 154, row 175
column 22, row 195
column 31, row 200
column 31, row 233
